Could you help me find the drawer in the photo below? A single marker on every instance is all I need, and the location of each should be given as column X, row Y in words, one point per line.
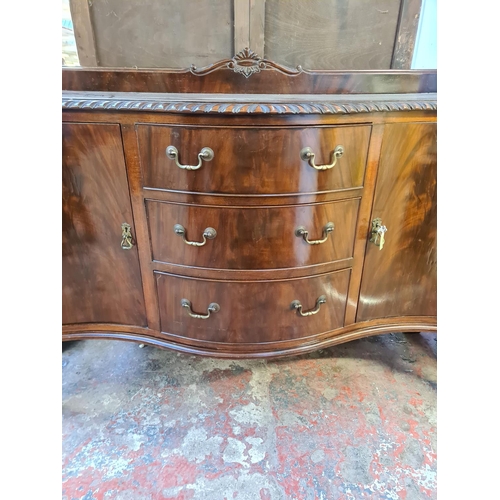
column 253, row 160
column 252, row 311
column 252, row 238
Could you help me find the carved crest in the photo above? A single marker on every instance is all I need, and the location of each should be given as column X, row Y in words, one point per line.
column 246, row 63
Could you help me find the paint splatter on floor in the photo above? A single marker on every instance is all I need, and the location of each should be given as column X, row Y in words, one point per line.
column 351, row 422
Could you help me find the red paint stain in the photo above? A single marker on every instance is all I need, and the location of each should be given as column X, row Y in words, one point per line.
column 177, row 473
column 265, row 494
column 361, row 396
column 416, row 402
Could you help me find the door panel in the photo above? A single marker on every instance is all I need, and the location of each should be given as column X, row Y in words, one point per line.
column 101, row 281
column 400, row 279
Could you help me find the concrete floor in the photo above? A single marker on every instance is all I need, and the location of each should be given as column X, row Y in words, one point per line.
column 350, row 422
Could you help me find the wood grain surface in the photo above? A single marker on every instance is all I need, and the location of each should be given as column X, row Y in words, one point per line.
column 253, row 160
column 84, row 33
column 240, row 351
column 162, row 33
column 252, row 238
column 401, row 278
column 270, row 81
column 254, row 192
column 251, row 311
column 101, row 281
column 331, row 34
column 406, row 35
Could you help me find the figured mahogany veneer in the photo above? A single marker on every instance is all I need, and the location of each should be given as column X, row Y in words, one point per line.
column 253, row 160
column 406, row 200
column 219, row 80
column 101, row 282
column 252, row 311
column 255, row 193
column 252, row 238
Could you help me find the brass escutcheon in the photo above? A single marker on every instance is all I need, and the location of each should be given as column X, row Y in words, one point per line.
column 127, row 242
column 377, row 235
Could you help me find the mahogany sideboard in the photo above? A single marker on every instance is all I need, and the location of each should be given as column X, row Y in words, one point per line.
column 246, row 209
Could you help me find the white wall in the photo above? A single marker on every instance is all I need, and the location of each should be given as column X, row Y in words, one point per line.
column 425, row 53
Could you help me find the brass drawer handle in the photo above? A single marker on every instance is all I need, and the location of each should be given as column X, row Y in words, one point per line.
column 210, row 233
column 205, row 154
column 296, row 305
column 378, row 233
column 301, row 231
column 307, row 155
column 127, row 242
column 212, row 308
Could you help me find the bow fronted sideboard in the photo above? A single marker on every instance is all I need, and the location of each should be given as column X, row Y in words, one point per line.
column 247, row 209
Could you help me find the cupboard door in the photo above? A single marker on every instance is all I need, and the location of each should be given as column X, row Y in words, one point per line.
column 101, row 281
column 400, row 279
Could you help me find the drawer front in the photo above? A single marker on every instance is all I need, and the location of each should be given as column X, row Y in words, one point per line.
column 252, row 238
column 253, row 160
column 252, row 311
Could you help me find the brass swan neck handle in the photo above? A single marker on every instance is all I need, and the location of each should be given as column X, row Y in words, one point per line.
column 209, row 234
column 297, row 306
column 206, row 154
column 212, row 308
column 302, row 232
column 307, row 154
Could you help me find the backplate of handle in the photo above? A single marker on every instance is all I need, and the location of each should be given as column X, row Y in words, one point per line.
column 127, row 242
column 302, row 232
column 210, row 233
column 297, row 306
column 206, row 154
column 306, row 154
column 212, row 308
column 378, row 233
